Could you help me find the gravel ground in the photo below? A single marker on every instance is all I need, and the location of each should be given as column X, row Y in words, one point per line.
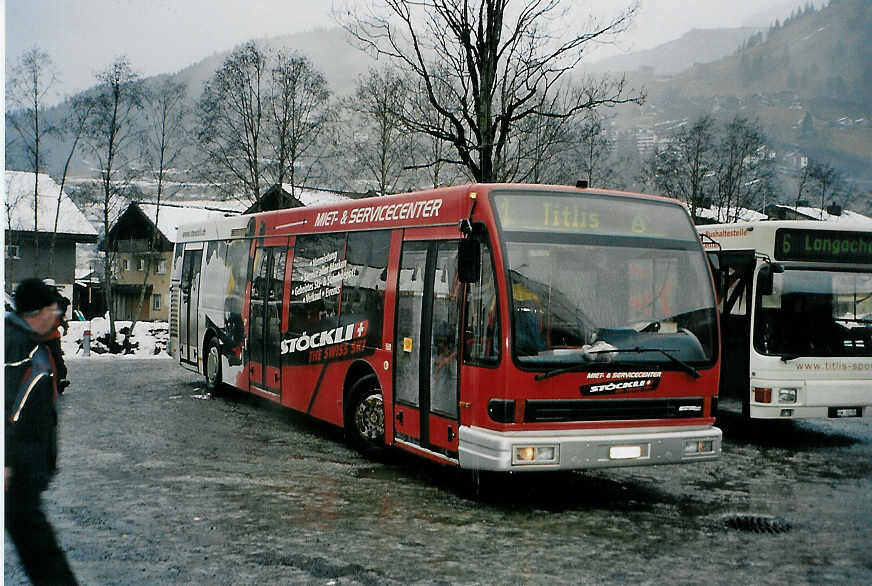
column 160, row 484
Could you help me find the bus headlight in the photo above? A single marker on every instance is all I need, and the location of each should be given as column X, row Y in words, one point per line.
column 698, row 447
column 535, row 454
column 787, row 395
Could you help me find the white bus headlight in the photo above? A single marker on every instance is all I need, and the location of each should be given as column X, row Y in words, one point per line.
column 787, row 395
column 534, row 454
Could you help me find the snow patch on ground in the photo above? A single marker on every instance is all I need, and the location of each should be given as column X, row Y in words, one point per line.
column 149, row 339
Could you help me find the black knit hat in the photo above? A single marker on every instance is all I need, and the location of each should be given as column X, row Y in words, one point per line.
column 33, row 295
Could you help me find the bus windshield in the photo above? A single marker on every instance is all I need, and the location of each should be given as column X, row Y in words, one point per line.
column 611, row 281
column 816, row 313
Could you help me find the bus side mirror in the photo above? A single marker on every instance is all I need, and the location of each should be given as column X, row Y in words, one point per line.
column 469, row 260
column 766, row 277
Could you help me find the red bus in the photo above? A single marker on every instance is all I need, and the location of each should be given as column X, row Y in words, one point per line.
column 492, row 327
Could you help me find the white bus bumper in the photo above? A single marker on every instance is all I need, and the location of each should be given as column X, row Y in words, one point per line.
column 814, row 399
column 484, row 449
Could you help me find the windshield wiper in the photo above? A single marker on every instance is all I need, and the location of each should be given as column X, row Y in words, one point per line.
column 684, row 365
column 575, row 366
column 789, row 357
column 554, row 372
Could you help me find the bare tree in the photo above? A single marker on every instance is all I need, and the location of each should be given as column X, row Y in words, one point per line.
column 500, row 60
column 381, row 143
column 684, row 167
column 74, row 126
column 31, row 78
column 595, row 148
column 743, row 168
column 230, row 113
column 260, row 116
column 432, row 155
column 803, row 177
column 298, row 109
column 824, row 180
column 110, row 133
column 538, row 143
column 165, row 140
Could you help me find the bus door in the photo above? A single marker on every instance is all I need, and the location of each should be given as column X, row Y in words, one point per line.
column 735, row 302
column 267, row 312
column 189, row 301
column 426, row 363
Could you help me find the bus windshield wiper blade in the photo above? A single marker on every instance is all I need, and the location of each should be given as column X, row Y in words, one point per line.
column 575, row 366
column 684, row 365
column 555, row 371
column 789, row 357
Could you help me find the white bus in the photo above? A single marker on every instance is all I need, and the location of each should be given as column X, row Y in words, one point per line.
column 795, row 301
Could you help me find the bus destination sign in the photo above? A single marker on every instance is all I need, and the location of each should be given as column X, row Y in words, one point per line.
column 590, row 214
column 823, row 245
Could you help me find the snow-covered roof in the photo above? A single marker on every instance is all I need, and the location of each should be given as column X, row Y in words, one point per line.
column 719, row 214
column 312, row 197
column 846, row 217
column 19, row 206
column 172, row 216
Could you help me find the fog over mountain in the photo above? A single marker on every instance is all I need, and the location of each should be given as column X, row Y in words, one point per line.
column 695, row 46
column 161, row 37
column 342, row 63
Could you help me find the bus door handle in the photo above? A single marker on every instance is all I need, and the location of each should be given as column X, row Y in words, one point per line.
column 451, row 434
column 400, row 416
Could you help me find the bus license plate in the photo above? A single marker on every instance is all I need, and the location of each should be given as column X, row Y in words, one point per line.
column 625, row 452
column 844, row 412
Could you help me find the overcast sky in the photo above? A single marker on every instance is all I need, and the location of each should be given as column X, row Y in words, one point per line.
column 164, row 36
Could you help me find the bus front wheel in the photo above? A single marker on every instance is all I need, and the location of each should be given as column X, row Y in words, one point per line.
column 365, row 417
column 213, row 367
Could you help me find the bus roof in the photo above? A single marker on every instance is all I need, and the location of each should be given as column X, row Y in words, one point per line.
column 737, row 231
column 794, row 240
column 441, row 206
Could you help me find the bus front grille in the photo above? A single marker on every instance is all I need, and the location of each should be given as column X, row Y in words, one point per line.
column 537, row 411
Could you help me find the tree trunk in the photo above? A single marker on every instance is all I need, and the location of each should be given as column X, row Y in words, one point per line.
column 54, row 234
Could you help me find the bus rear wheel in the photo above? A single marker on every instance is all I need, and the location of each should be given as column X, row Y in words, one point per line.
column 213, row 367
column 365, row 417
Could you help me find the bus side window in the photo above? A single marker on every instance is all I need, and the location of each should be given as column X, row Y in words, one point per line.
column 363, row 286
column 482, row 327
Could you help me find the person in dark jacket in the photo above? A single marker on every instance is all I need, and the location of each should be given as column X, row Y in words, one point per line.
column 53, row 339
column 31, row 431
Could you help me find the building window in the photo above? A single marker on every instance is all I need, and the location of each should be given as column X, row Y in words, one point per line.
column 13, row 251
column 155, row 302
column 125, row 264
column 141, row 264
column 162, row 267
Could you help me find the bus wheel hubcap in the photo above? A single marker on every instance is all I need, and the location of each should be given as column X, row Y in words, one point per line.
column 212, row 365
column 369, row 417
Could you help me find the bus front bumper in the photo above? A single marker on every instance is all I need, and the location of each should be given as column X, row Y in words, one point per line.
column 809, row 399
column 485, row 449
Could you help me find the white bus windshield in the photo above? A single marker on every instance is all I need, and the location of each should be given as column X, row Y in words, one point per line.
column 816, row 313
column 630, row 286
